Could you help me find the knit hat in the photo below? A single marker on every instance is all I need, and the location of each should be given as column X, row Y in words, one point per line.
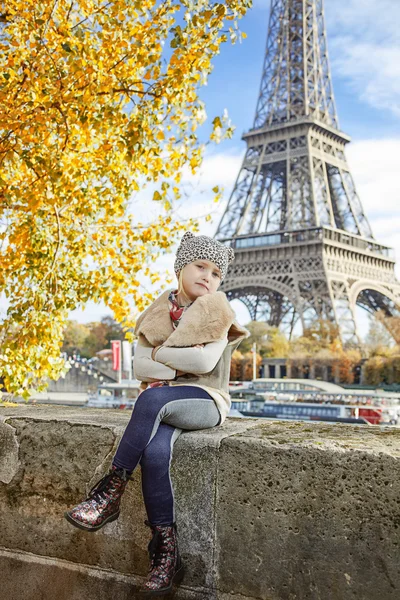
column 203, row 247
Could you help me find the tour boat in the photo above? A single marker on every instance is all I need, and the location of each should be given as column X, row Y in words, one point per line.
column 311, row 401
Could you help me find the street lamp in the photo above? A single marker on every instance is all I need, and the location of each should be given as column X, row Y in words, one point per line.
column 254, row 351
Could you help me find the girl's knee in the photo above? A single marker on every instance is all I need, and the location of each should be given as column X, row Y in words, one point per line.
column 158, row 452
column 151, row 404
column 147, row 393
column 156, row 455
column 145, row 403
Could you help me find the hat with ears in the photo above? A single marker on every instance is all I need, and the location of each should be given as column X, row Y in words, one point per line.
column 202, row 247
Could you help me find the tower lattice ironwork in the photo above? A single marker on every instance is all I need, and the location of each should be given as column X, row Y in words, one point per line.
column 304, row 247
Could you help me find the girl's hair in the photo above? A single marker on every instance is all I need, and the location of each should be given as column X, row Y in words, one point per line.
column 181, row 289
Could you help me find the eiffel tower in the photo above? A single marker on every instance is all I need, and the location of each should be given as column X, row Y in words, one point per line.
column 304, row 248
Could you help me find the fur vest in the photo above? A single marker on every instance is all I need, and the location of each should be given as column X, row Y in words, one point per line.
column 207, row 320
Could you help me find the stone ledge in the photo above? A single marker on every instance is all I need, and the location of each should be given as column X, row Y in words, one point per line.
column 265, row 510
column 71, row 581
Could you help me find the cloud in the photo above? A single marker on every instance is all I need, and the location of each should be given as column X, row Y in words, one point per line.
column 364, row 48
column 218, row 168
column 374, row 165
column 375, row 168
column 365, row 19
column 373, row 71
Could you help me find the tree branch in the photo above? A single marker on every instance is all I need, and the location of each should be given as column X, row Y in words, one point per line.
column 58, row 240
column 88, row 17
column 4, row 17
column 129, row 91
column 58, row 107
column 69, row 11
column 50, row 15
column 53, row 262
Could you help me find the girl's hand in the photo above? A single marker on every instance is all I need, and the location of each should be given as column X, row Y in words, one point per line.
column 143, row 386
column 198, row 346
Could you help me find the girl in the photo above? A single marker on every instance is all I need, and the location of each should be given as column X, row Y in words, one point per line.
column 185, row 342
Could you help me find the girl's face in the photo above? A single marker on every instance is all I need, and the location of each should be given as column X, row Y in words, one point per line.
column 201, row 277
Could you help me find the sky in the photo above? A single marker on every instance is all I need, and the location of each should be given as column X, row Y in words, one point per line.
column 364, row 52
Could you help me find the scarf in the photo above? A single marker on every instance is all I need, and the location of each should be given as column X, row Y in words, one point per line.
column 175, row 311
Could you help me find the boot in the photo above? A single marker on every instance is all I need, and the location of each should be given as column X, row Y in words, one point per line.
column 166, row 567
column 102, row 504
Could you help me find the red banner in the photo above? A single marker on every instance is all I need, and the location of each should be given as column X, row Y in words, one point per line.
column 116, row 355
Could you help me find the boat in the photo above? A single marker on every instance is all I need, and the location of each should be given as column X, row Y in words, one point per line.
column 115, row 395
column 315, row 401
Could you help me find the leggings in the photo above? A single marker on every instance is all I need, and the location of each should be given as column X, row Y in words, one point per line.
column 158, row 418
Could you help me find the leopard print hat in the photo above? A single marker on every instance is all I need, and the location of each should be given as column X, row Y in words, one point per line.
column 203, row 247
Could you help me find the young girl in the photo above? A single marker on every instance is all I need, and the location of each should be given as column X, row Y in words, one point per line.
column 185, row 342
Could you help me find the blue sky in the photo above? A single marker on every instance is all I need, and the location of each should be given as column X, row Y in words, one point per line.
column 364, row 51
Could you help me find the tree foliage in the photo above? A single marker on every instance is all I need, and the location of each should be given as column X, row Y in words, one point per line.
column 322, row 333
column 97, row 99
column 384, row 330
column 90, row 338
column 242, row 366
column 317, row 353
column 383, row 367
column 269, row 340
column 75, row 335
column 236, row 370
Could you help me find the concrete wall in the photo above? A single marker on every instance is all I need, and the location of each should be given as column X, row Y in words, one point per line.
column 265, row 510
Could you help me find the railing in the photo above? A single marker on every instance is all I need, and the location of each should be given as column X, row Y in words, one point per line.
column 311, row 234
column 356, row 241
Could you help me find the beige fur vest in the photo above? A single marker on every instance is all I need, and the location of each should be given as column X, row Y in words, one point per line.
column 208, row 319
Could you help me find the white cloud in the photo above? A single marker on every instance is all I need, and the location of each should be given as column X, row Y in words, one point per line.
column 367, row 19
column 373, row 70
column 364, row 48
column 219, row 168
column 374, row 165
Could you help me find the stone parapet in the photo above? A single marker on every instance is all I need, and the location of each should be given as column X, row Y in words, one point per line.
column 265, row 510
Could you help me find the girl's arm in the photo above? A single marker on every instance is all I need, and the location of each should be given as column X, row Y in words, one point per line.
column 196, row 359
column 147, row 369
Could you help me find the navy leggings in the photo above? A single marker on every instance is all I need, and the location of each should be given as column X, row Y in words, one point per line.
column 158, row 418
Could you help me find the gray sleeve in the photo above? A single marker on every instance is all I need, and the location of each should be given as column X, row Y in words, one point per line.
column 147, row 369
column 193, row 360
